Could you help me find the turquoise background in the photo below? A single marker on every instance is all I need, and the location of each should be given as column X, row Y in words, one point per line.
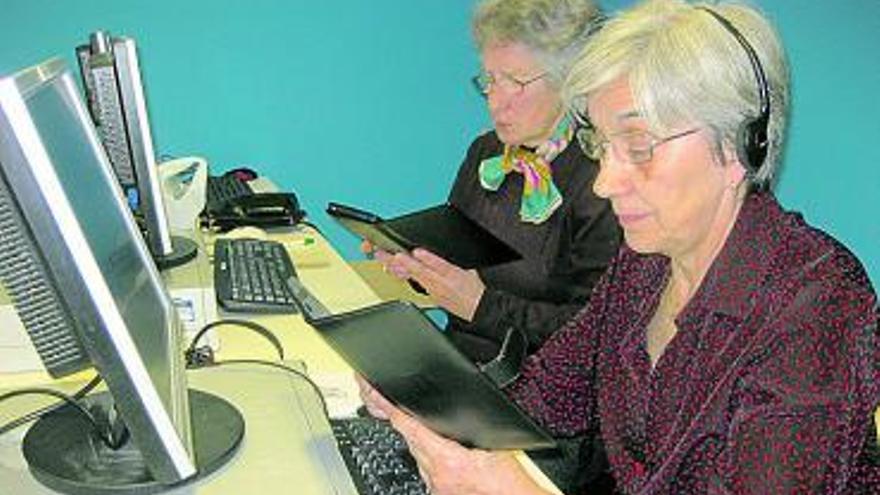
column 368, row 102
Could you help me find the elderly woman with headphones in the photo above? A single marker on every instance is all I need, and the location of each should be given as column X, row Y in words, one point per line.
column 730, row 347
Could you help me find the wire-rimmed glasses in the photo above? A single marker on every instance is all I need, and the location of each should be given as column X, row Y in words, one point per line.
column 633, row 146
column 484, row 82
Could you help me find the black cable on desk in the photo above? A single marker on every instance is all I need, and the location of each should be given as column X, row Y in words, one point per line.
column 194, row 363
column 282, row 367
column 103, row 434
column 79, row 394
column 311, row 225
column 256, row 327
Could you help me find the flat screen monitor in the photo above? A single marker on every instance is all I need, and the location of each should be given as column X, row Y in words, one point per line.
column 111, row 76
column 84, row 286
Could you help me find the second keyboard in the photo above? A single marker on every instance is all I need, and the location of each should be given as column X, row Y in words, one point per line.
column 250, row 275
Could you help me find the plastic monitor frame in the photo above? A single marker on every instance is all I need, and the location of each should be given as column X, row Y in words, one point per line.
column 82, row 282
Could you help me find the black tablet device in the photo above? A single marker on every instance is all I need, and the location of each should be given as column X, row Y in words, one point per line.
column 402, row 353
column 443, row 229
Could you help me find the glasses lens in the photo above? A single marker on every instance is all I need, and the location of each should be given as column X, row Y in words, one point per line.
column 481, row 82
column 639, row 146
column 588, row 139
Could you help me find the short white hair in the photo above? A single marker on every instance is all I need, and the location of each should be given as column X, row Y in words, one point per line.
column 685, row 68
column 555, row 31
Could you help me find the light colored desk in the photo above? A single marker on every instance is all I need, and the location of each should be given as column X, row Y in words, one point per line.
column 388, row 287
column 287, row 447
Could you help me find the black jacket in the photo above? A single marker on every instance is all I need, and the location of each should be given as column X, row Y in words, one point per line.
column 563, row 257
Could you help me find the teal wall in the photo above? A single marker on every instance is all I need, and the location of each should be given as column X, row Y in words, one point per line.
column 369, row 101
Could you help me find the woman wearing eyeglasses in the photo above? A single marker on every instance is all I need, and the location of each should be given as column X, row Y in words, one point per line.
column 730, row 347
column 527, row 182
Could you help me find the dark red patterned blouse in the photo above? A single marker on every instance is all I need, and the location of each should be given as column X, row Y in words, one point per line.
column 768, row 386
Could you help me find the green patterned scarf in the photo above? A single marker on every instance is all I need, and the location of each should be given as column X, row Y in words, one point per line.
column 540, row 196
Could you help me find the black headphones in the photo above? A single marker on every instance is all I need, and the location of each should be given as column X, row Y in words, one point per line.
column 751, row 140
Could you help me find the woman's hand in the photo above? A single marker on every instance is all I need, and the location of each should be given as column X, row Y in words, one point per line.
column 376, row 404
column 445, row 466
column 388, row 260
column 454, row 289
column 450, row 469
column 457, row 290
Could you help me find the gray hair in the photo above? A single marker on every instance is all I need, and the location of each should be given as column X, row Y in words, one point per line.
column 555, row 31
column 683, row 68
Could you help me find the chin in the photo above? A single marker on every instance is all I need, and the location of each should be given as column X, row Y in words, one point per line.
column 640, row 243
column 507, row 137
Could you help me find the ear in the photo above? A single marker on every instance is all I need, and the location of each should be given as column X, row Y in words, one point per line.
column 734, row 169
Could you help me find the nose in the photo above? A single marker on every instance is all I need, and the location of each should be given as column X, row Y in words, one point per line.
column 612, row 177
column 496, row 99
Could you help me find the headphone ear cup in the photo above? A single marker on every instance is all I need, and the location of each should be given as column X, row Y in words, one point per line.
column 751, row 144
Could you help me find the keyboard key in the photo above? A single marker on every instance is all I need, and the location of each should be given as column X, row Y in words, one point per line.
column 377, row 457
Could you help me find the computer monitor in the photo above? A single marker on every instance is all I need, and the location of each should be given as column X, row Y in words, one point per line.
column 82, row 282
column 114, row 90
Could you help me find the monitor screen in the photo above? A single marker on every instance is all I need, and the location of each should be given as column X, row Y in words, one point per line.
column 81, row 277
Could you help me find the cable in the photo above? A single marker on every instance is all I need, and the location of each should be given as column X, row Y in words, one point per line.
column 283, row 367
column 256, row 327
column 79, row 394
column 195, row 360
column 103, row 434
column 310, row 224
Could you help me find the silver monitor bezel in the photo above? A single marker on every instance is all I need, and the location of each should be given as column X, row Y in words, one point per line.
column 160, row 425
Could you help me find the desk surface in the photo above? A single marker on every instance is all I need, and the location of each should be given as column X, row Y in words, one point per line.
column 287, row 442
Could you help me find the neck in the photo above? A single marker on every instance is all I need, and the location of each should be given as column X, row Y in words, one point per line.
column 538, row 141
column 689, row 268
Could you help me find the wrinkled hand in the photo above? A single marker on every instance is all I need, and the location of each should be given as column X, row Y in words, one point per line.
column 454, row 289
column 457, row 290
column 376, row 404
column 388, row 260
column 445, row 466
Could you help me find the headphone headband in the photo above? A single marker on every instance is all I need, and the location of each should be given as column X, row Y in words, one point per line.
column 753, row 140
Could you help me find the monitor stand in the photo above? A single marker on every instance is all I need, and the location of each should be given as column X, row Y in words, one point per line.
column 63, row 453
column 182, row 251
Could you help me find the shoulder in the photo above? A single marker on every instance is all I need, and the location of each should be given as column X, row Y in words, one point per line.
column 801, row 310
column 808, row 254
column 484, row 146
column 816, row 290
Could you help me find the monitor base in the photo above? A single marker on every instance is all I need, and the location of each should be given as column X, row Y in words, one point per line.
column 182, row 251
column 63, row 453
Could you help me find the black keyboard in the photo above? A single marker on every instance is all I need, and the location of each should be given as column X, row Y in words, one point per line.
column 251, row 276
column 221, row 189
column 377, row 457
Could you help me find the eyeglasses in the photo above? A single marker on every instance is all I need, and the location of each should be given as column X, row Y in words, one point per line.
column 485, row 82
column 635, row 147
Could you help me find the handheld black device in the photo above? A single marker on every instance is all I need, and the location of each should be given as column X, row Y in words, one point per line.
column 402, row 353
column 442, row 229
